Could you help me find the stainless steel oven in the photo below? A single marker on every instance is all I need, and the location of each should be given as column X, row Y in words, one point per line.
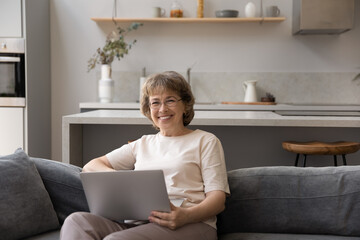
column 12, row 71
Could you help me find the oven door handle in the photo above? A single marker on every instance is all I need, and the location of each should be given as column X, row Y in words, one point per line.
column 9, row 59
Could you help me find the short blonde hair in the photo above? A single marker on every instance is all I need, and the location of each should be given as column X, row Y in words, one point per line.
column 166, row 81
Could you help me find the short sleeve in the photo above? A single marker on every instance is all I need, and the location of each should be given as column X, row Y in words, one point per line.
column 122, row 158
column 213, row 166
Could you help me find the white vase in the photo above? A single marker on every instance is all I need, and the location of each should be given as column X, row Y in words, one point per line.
column 106, row 85
column 250, row 10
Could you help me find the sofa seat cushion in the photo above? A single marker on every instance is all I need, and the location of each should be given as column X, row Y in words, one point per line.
column 52, row 235
column 25, row 205
column 320, row 201
column 62, row 181
column 281, row 236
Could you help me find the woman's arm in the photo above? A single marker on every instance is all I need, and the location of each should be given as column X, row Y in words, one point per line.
column 213, row 204
column 98, row 164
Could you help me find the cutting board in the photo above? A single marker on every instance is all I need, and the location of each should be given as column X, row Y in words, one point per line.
column 250, row 103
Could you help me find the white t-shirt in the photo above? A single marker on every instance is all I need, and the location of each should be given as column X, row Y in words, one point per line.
column 193, row 164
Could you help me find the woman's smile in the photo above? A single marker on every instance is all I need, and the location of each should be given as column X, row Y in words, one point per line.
column 163, row 118
column 165, row 115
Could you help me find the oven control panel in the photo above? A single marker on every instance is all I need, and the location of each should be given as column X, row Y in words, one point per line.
column 12, row 45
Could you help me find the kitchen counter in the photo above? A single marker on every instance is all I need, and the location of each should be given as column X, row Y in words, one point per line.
column 89, row 106
column 90, row 134
column 218, row 118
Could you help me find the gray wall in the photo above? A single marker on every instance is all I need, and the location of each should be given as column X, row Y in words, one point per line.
column 38, row 83
column 215, row 47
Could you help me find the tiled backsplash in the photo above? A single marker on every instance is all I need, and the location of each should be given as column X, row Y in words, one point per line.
column 287, row 87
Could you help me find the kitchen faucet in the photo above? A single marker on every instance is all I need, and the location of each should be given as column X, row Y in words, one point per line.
column 188, row 72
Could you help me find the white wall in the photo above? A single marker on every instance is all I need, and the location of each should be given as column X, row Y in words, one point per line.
column 215, row 47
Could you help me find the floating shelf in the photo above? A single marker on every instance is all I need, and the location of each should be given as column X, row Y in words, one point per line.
column 190, row 20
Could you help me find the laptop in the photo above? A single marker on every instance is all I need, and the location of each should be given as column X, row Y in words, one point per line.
column 126, row 195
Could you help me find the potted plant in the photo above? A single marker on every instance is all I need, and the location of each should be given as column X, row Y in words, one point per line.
column 268, row 98
column 115, row 48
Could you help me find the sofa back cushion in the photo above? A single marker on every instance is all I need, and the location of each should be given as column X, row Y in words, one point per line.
column 322, row 200
column 25, row 205
column 62, row 181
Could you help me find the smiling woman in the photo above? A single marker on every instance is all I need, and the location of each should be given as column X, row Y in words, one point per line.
column 168, row 102
column 192, row 161
column 169, row 81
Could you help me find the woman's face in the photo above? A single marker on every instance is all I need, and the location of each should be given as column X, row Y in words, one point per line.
column 167, row 111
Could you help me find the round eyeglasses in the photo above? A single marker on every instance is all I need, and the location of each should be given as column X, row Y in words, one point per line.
column 171, row 102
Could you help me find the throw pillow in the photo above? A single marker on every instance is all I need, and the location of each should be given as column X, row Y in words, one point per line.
column 25, row 205
column 62, row 181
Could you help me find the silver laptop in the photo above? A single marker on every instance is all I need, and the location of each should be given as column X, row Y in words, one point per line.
column 125, row 195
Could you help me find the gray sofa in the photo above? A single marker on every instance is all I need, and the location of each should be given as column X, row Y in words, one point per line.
column 36, row 196
column 274, row 203
column 288, row 203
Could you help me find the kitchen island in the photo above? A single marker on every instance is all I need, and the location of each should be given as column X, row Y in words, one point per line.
column 250, row 138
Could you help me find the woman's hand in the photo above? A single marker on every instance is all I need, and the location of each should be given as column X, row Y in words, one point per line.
column 173, row 220
column 213, row 204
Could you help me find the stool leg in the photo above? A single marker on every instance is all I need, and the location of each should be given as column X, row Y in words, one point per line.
column 304, row 160
column 344, row 159
column 297, row 160
column 335, row 161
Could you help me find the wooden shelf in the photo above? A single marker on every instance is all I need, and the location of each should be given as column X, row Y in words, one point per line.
column 189, row 20
column 249, row 103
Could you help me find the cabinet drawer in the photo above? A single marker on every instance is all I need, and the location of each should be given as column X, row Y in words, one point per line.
column 11, row 129
column 10, row 19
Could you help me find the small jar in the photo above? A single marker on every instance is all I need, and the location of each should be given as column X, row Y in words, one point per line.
column 176, row 10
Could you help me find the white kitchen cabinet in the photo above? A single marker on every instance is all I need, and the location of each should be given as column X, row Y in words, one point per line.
column 10, row 18
column 11, row 129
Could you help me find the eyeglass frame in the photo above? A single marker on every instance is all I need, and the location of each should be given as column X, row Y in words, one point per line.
column 166, row 103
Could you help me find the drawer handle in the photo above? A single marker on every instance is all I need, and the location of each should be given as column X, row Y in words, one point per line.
column 9, row 59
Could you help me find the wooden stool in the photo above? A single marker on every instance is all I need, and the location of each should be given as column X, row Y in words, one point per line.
column 321, row 148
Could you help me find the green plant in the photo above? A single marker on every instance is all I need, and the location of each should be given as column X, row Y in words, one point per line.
column 115, row 47
column 269, row 95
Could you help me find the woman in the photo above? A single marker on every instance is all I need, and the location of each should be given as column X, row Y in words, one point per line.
column 193, row 165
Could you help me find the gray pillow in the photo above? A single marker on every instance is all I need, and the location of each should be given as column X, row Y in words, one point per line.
column 25, row 205
column 62, row 182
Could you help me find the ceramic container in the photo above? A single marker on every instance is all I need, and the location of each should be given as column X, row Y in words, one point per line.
column 106, row 85
column 250, row 91
column 250, row 10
